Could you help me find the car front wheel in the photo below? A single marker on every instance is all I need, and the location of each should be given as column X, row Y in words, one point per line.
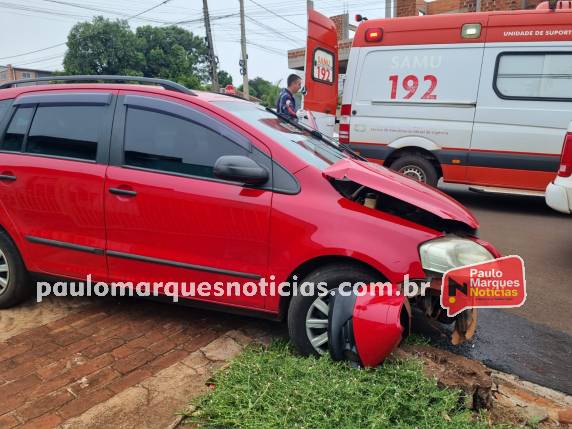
column 308, row 315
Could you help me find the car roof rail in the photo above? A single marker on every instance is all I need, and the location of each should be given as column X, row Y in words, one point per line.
column 167, row 84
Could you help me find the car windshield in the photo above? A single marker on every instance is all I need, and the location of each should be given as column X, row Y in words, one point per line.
column 302, row 143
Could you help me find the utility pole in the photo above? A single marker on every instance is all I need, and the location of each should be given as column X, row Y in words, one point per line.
column 389, row 9
column 212, row 58
column 244, row 61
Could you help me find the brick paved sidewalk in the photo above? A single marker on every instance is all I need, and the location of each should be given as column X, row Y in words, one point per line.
column 100, row 354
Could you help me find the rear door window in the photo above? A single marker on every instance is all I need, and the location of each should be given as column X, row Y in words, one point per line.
column 66, row 131
column 17, row 129
column 4, row 105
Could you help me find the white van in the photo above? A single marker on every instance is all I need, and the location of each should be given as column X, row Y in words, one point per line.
column 482, row 99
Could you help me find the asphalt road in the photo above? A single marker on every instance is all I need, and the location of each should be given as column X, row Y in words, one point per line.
column 534, row 341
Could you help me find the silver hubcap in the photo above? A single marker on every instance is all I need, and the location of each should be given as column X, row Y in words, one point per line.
column 4, row 273
column 317, row 324
column 414, row 172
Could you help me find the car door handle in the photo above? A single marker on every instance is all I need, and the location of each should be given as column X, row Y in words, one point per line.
column 8, row 177
column 122, row 192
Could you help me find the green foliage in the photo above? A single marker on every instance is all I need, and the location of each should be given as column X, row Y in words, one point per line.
column 103, row 46
column 271, row 97
column 224, row 78
column 173, row 53
column 263, row 90
column 274, row 388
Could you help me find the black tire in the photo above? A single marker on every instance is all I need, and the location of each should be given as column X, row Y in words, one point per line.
column 17, row 287
column 333, row 275
column 416, row 167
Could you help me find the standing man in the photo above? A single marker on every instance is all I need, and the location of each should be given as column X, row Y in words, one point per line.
column 286, row 104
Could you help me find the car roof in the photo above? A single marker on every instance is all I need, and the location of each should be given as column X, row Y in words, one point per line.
column 205, row 96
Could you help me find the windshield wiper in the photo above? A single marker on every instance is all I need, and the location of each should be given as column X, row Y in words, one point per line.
column 315, row 133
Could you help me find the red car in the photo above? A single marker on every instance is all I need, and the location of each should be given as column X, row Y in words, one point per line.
column 143, row 183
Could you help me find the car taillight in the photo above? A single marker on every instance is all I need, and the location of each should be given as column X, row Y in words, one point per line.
column 345, row 113
column 565, row 169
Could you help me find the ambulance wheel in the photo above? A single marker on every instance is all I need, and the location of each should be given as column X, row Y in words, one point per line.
column 308, row 315
column 14, row 282
column 417, row 168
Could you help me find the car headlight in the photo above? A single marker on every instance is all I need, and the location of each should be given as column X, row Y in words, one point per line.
column 445, row 253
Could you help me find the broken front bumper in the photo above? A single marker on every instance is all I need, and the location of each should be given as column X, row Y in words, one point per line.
column 365, row 328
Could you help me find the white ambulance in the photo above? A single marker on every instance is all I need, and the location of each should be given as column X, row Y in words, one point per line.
column 482, row 99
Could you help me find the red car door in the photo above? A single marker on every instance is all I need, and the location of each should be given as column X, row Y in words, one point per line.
column 52, row 164
column 168, row 218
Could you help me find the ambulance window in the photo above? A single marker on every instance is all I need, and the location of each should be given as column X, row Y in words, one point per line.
column 534, row 76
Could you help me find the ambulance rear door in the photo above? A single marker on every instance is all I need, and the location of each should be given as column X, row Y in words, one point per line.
column 321, row 72
column 525, row 100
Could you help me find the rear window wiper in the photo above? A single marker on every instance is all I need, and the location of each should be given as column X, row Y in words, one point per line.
column 315, row 133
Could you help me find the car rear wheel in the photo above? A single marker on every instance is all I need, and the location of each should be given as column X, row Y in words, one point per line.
column 308, row 315
column 14, row 286
column 417, row 168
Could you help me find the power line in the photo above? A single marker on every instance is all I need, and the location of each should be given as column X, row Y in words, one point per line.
column 109, row 11
column 14, row 6
column 149, row 10
column 267, row 49
column 40, row 60
column 196, row 20
column 64, row 43
column 213, row 18
column 33, row 52
column 269, row 28
column 279, row 16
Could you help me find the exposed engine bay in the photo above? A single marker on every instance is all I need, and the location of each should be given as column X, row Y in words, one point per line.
column 398, row 311
column 396, row 207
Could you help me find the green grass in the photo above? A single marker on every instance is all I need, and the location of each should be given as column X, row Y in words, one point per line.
column 274, row 388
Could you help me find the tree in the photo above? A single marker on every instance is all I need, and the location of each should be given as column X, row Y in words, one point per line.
column 263, row 90
column 224, row 78
column 103, row 47
column 271, row 97
column 173, row 53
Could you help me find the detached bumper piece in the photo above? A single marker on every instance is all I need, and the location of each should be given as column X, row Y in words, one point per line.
column 365, row 329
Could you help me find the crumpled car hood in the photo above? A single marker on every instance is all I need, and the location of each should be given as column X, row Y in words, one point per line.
column 385, row 181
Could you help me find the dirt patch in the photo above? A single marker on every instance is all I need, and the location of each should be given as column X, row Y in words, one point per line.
column 456, row 372
column 508, row 398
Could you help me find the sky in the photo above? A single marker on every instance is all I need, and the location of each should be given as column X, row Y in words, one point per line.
column 272, row 27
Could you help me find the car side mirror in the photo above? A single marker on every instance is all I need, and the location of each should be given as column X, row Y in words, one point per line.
column 240, row 168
